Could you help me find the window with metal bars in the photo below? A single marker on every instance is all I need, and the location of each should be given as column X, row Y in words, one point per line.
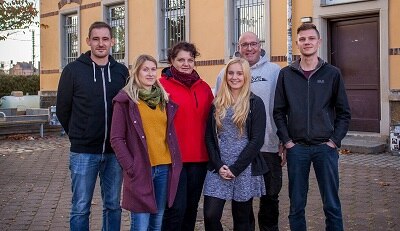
column 70, row 38
column 173, row 25
column 116, row 19
column 249, row 15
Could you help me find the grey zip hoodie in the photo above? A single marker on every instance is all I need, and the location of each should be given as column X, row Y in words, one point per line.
column 264, row 75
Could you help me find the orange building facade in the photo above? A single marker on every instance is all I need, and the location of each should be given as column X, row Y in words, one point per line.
column 361, row 37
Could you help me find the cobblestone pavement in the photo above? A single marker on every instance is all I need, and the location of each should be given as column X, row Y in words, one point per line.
column 35, row 190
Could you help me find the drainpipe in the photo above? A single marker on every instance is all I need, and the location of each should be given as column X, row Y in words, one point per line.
column 289, row 32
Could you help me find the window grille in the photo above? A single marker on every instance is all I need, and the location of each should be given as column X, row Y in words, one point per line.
column 173, row 12
column 249, row 15
column 116, row 19
column 71, row 38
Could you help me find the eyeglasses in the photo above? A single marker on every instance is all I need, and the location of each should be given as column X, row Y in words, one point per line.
column 246, row 45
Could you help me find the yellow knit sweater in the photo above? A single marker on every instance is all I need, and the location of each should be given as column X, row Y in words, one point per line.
column 155, row 127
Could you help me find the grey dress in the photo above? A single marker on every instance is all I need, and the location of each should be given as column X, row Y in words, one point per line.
column 243, row 187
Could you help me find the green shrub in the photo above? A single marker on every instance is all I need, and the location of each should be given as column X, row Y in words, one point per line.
column 28, row 84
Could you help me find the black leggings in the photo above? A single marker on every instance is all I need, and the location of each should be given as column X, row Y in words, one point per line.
column 213, row 208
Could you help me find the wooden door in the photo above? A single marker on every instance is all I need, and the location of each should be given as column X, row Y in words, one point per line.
column 354, row 48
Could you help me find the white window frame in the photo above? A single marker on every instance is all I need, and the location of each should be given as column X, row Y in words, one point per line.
column 337, row 2
column 106, row 6
column 63, row 49
column 162, row 23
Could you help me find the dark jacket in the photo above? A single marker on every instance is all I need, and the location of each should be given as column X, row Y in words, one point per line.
column 84, row 102
column 129, row 142
column 255, row 127
column 313, row 110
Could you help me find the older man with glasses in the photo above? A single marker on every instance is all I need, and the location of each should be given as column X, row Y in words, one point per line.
column 263, row 83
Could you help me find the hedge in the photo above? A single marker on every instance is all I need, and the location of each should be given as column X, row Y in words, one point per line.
column 27, row 84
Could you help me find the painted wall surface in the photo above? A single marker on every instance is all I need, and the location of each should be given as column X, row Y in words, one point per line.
column 279, row 25
column 394, row 42
column 278, row 28
column 207, row 28
column 47, row 6
column 49, row 44
column 87, row 17
column 394, row 25
column 300, row 9
column 143, row 33
column 49, row 82
column 143, row 29
column 394, row 72
column 209, row 73
column 50, row 38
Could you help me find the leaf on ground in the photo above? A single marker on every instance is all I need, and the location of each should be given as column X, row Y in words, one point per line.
column 383, row 184
column 344, row 151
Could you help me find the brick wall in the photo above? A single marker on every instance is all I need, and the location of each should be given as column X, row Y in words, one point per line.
column 47, row 98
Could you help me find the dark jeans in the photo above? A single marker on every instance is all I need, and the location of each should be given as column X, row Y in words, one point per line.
column 214, row 207
column 268, row 215
column 183, row 213
column 325, row 163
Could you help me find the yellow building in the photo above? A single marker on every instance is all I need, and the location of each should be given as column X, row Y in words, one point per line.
column 361, row 37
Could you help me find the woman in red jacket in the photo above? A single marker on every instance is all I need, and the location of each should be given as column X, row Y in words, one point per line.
column 194, row 97
column 144, row 140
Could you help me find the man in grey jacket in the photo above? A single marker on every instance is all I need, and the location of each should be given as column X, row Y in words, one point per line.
column 264, row 75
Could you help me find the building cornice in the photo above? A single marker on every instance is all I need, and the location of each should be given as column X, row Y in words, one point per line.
column 65, row 2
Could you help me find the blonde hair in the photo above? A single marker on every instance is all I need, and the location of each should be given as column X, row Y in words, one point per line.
column 224, row 98
column 133, row 84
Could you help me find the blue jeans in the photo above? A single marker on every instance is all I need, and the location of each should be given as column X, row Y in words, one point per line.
column 325, row 163
column 148, row 221
column 182, row 215
column 84, row 170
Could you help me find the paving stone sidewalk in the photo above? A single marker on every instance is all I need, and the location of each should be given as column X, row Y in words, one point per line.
column 35, row 190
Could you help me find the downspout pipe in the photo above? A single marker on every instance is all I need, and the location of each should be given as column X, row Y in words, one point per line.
column 289, row 54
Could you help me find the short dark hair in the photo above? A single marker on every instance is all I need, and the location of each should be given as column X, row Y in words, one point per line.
column 307, row 26
column 97, row 25
column 185, row 46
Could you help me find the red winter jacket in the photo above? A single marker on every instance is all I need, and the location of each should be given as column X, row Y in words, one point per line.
column 191, row 117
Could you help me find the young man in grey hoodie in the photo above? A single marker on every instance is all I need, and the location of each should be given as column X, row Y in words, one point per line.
column 264, row 75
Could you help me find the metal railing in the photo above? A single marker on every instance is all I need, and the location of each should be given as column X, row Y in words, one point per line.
column 116, row 19
column 249, row 15
column 71, row 38
column 173, row 24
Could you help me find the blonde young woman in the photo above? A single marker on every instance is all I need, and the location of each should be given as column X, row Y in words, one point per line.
column 144, row 140
column 234, row 137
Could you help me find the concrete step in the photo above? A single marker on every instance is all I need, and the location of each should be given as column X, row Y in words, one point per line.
column 365, row 144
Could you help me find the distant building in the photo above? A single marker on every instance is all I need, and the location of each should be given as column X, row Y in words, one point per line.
column 2, row 71
column 23, row 68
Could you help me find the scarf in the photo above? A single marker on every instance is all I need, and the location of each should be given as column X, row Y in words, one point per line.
column 153, row 97
column 186, row 79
